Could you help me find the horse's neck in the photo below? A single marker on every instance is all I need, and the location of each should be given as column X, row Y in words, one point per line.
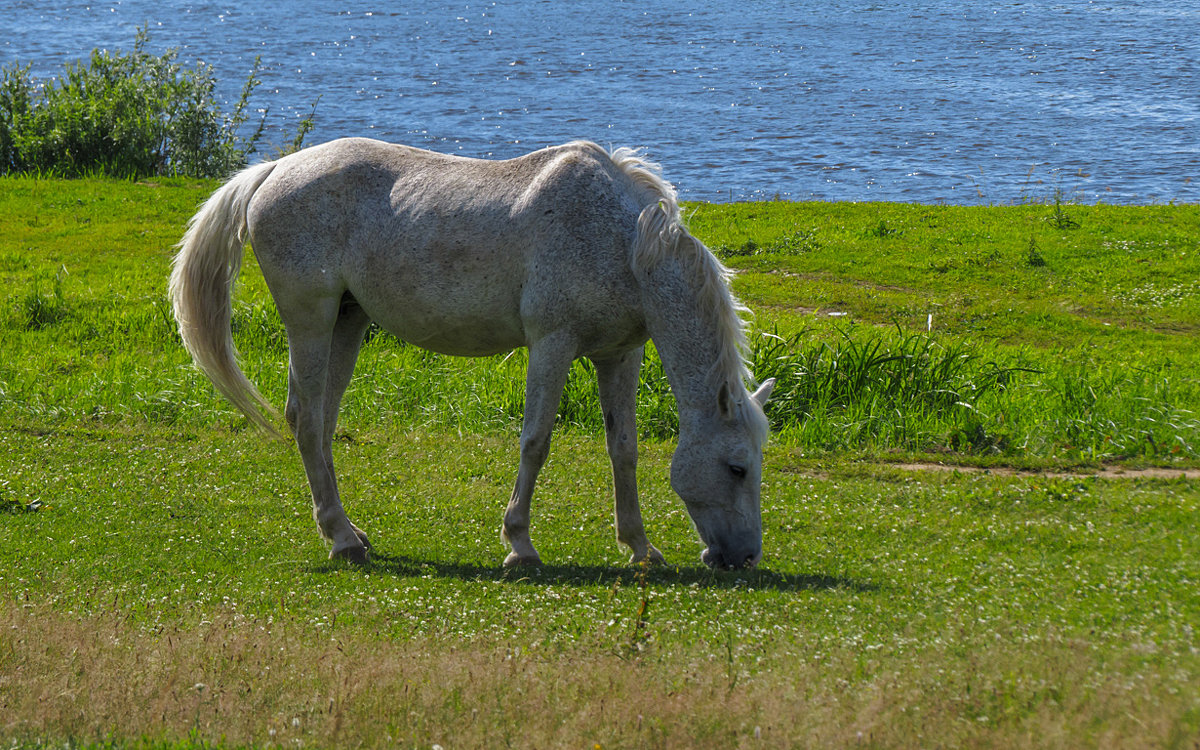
column 686, row 337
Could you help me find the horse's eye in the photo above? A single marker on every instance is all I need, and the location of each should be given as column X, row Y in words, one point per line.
column 737, row 471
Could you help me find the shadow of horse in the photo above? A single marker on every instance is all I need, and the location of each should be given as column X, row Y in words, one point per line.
column 403, row 566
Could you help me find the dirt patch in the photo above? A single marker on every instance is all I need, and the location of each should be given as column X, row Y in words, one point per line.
column 860, row 283
column 805, row 310
column 1104, row 472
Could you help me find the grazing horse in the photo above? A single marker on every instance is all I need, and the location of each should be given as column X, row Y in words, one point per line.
column 571, row 251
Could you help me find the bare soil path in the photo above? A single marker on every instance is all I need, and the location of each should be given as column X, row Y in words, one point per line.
column 1104, row 472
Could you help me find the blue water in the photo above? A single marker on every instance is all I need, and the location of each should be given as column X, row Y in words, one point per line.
column 956, row 102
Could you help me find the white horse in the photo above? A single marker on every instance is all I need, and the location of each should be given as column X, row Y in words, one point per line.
column 570, row 251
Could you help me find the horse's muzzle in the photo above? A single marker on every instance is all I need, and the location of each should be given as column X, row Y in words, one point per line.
column 719, row 559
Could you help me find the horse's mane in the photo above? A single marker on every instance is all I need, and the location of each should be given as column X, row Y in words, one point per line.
column 662, row 233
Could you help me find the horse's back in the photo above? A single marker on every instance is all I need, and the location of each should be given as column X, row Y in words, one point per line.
column 466, row 256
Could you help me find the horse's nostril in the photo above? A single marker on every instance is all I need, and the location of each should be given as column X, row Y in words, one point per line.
column 722, row 560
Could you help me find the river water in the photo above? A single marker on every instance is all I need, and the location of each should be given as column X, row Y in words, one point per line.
column 955, row 102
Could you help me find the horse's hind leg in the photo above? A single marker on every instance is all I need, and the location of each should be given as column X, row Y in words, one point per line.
column 618, row 382
column 347, row 339
column 310, row 343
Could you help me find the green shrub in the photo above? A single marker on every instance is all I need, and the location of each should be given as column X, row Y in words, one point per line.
column 127, row 115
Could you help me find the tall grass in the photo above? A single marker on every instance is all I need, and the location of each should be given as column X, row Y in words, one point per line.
column 839, row 386
column 130, row 115
column 871, row 386
column 39, row 309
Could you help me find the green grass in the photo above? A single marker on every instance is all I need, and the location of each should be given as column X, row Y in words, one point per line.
column 1089, row 313
column 1090, row 357
column 162, row 583
column 1122, row 274
column 959, row 608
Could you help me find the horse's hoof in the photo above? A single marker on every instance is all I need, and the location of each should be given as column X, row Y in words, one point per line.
column 652, row 556
column 514, row 559
column 362, row 537
column 353, row 555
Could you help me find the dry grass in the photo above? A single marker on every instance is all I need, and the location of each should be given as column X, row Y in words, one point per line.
column 237, row 681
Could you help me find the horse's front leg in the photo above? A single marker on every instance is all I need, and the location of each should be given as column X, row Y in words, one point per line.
column 549, row 363
column 618, row 382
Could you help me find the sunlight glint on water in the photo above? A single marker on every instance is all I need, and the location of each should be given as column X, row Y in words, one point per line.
column 904, row 101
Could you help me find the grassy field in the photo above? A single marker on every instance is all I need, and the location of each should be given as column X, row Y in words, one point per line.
column 980, row 505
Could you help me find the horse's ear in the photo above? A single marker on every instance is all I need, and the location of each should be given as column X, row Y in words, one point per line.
column 764, row 392
column 727, row 407
column 725, row 404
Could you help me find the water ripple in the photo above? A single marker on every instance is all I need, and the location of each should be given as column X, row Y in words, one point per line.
column 912, row 101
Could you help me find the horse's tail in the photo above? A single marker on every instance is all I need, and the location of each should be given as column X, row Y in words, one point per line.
column 202, row 276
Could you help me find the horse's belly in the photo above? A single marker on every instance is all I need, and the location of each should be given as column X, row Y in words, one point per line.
column 448, row 321
column 460, row 337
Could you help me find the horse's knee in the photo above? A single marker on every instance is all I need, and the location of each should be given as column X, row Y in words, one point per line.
column 535, row 448
column 622, row 449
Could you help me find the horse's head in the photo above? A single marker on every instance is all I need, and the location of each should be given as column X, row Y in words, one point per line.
column 717, row 470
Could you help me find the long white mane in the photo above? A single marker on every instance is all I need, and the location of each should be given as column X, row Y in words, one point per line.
column 662, row 233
